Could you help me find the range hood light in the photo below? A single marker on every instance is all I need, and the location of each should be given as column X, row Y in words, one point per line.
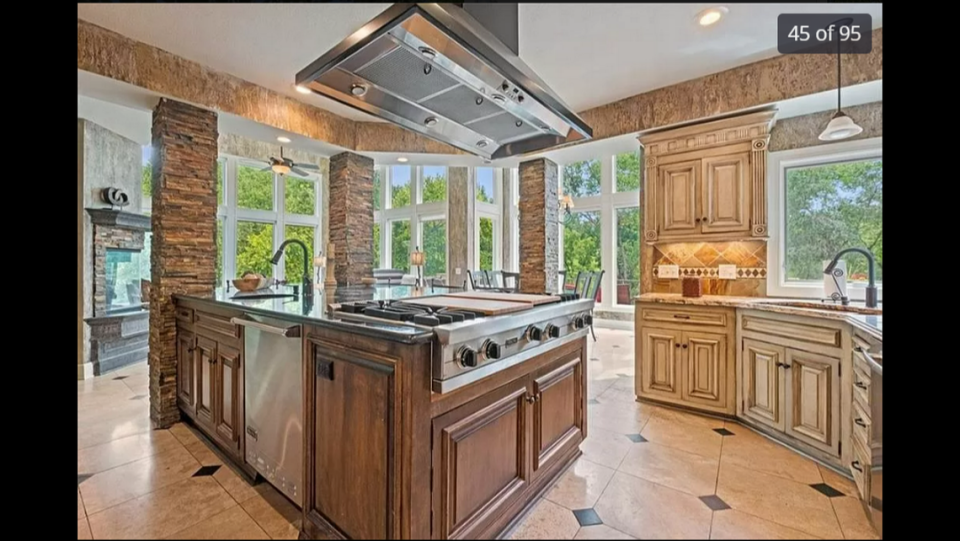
column 301, row 89
column 431, row 122
column 402, row 159
column 428, row 53
column 482, row 143
column 358, row 89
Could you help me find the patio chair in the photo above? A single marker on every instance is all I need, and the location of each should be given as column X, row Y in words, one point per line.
column 591, row 291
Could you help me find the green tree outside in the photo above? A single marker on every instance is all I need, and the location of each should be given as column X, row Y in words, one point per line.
column 581, row 179
column 300, row 196
column 434, row 234
column 434, row 185
column 628, row 171
column 829, row 208
column 628, row 249
column 581, row 243
column 254, row 248
column 486, row 244
column 485, row 178
column 293, row 256
column 376, row 245
column 376, row 189
column 254, row 188
column 400, row 242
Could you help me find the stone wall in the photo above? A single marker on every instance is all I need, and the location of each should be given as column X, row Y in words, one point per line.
column 539, row 232
column 461, row 225
column 184, row 223
column 802, row 131
column 351, row 216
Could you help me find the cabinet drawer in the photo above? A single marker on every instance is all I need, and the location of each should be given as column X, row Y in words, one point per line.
column 861, row 388
column 184, row 314
column 860, row 364
column 207, row 323
column 862, row 425
column 826, row 336
column 684, row 316
column 860, row 469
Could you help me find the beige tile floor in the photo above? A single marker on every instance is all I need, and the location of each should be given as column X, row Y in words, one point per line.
column 646, row 472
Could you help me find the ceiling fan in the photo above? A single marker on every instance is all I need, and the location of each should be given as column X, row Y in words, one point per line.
column 284, row 166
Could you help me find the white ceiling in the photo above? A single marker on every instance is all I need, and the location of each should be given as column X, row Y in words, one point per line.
column 590, row 54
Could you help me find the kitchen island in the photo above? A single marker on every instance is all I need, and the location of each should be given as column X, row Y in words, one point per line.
column 409, row 430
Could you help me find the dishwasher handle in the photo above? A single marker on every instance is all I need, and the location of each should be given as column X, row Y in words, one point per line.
column 293, row 331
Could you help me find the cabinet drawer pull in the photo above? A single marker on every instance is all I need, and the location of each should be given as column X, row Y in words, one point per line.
column 684, row 346
column 783, row 365
column 677, row 344
column 681, row 316
column 860, row 385
column 530, row 399
column 859, row 422
column 856, row 465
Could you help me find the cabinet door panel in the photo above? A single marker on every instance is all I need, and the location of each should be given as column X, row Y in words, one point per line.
column 704, row 368
column 206, row 380
column 186, row 364
column 763, row 383
column 678, row 198
column 659, row 360
column 725, row 193
column 480, row 462
column 557, row 412
column 228, row 393
column 813, row 399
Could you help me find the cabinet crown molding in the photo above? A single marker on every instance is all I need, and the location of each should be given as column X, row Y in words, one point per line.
column 751, row 128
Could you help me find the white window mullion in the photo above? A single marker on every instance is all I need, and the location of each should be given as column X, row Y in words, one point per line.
column 607, row 231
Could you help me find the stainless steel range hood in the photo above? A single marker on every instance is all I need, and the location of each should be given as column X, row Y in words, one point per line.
column 435, row 69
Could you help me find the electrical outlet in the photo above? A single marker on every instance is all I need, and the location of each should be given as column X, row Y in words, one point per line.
column 727, row 272
column 457, row 271
column 668, row 271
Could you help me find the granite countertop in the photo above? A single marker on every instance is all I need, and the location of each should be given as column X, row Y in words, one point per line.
column 317, row 312
column 869, row 319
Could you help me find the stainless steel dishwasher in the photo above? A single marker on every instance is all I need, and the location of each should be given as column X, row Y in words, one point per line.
column 273, row 401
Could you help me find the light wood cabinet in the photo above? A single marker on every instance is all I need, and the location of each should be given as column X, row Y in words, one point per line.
column 813, row 399
column 659, row 362
column 703, row 368
column 707, row 181
column 763, row 383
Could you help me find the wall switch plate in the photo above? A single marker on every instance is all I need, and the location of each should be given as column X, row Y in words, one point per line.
column 727, row 272
column 668, row 271
column 457, row 271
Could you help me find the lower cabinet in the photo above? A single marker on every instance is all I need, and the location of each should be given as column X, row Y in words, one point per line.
column 186, row 368
column 763, row 383
column 206, row 382
column 227, row 395
column 659, row 363
column 490, row 452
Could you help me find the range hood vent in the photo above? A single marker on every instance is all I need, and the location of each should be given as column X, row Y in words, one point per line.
column 451, row 73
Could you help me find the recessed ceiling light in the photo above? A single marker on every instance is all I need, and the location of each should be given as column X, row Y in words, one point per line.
column 430, row 122
column 401, row 159
column 283, row 139
column 302, row 89
column 428, row 53
column 482, row 143
column 711, row 15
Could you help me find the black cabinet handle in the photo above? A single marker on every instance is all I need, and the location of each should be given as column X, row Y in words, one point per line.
column 530, row 398
column 681, row 316
column 697, row 220
column 684, row 346
column 860, row 422
column 856, row 465
column 860, row 385
column 677, row 344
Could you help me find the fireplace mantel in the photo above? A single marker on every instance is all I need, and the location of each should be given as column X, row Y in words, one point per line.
column 119, row 218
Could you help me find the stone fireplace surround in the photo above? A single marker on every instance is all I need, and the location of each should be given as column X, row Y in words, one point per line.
column 121, row 339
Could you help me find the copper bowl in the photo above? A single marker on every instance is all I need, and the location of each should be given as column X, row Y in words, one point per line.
column 250, row 283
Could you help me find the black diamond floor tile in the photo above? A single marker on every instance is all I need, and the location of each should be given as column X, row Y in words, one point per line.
column 637, row 438
column 206, row 470
column 826, row 490
column 594, row 358
column 139, row 396
column 714, row 502
column 120, row 377
column 81, row 477
column 723, row 432
column 617, row 346
column 587, row 517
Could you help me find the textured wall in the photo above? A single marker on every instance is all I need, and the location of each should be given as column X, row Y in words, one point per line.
column 384, row 137
column 184, row 224
column 351, row 216
column 539, row 232
column 461, row 225
column 104, row 160
column 802, row 131
column 703, row 259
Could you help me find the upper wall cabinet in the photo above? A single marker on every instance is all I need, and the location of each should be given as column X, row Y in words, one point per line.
column 707, row 181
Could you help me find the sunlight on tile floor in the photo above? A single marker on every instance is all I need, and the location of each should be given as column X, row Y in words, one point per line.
column 646, row 472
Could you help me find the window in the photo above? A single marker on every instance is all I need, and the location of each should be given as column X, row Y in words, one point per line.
column 828, row 198
column 220, row 166
column 400, row 244
column 254, row 248
column 485, row 243
column 581, row 179
column 400, row 186
column 254, row 188
column 628, row 254
column 376, row 245
column 300, row 196
column 434, row 246
column 376, row 189
column 434, row 185
column 627, row 167
column 146, row 176
column 581, row 243
column 219, row 241
column 486, row 180
column 293, row 258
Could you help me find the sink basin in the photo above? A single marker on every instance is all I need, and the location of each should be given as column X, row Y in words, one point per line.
column 853, row 308
column 261, row 295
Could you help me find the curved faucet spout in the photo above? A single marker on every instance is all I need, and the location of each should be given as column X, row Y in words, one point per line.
column 307, row 284
column 871, row 291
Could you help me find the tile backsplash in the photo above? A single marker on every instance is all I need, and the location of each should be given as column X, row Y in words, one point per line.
column 703, row 259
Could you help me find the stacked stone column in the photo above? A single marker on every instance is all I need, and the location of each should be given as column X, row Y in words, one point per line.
column 351, row 217
column 539, row 231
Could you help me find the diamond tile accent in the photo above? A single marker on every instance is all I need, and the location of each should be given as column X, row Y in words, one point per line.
column 637, row 438
column 139, row 397
column 826, row 490
column 587, row 517
column 206, row 470
column 81, row 477
column 714, row 502
column 119, row 378
column 723, row 432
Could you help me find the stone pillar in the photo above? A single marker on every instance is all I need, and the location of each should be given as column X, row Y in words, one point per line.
column 351, row 216
column 461, row 223
column 184, row 224
column 539, row 231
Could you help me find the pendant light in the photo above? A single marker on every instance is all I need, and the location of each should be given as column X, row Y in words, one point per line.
column 840, row 126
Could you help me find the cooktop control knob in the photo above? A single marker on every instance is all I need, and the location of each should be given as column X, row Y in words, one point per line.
column 534, row 333
column 467, row 356
column 491, row 349
column 588, row 319
column 578, row 322
column 553, row 331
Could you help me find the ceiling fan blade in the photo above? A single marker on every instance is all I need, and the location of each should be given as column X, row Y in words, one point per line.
column 308, row 166
column 300, row 172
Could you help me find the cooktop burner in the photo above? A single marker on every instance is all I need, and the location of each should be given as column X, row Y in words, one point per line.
column 410, row 312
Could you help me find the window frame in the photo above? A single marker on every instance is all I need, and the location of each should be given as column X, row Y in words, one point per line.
column 778, row 163
column 414, row 212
